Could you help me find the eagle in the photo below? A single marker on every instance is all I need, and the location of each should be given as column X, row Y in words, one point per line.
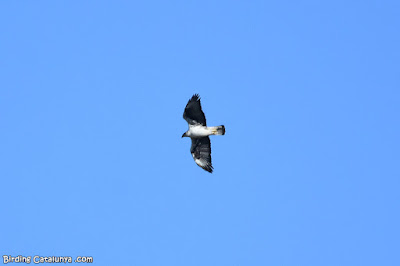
column 199, row 133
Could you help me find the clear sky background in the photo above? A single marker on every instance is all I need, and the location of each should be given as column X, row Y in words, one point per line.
column 93, row 163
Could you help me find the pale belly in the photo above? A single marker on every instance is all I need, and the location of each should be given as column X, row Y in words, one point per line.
column 199, row 132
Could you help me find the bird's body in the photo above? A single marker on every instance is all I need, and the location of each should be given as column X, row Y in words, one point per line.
column 199, row 133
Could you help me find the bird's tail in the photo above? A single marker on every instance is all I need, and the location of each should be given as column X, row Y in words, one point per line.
column 220, row 130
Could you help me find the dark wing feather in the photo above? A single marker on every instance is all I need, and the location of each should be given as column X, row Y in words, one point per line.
column 193, row 113
column 201, row 152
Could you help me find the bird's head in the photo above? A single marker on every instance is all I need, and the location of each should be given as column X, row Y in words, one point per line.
column 184, row 135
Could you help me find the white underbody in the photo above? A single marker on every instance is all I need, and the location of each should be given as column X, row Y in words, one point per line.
column 199, row 131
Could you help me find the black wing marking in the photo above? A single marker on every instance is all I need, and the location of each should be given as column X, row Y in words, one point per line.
column 201, row 152
column 193, row 113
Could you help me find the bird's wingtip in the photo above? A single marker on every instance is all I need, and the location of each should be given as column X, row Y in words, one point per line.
column 195, row 97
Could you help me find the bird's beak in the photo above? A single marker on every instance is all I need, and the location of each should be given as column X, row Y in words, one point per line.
column 183, row 134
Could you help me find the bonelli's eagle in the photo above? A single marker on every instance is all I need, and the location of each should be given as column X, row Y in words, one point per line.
column 199, row 133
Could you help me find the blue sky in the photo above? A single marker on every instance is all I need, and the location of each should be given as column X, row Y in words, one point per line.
column 93, row 164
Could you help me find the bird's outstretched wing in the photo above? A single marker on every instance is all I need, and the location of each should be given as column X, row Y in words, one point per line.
column 201, row 152
column 193, row 113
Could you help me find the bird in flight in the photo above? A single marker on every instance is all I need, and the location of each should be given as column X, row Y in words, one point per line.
column 199, row 133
